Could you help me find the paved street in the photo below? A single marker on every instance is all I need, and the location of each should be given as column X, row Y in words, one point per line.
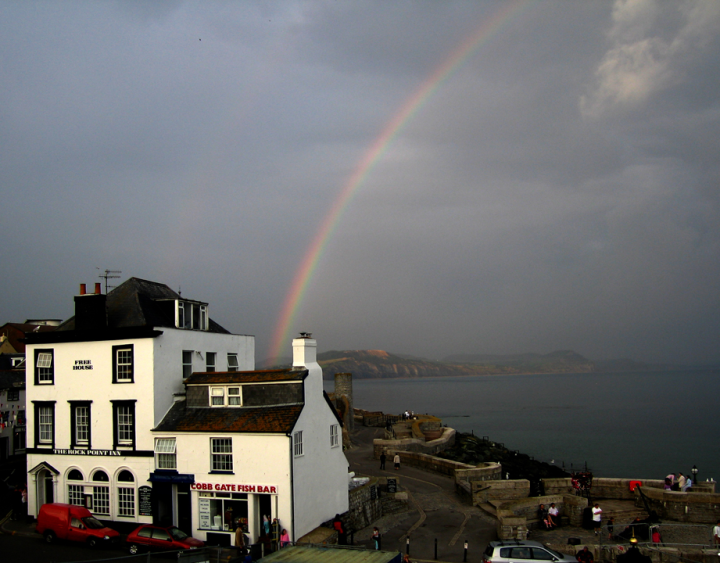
column 435, row 511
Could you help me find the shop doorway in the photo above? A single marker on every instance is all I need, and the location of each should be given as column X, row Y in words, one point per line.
column 162, row 504
column 184, row 509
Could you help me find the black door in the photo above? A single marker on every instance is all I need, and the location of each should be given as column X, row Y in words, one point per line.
column 184, row 507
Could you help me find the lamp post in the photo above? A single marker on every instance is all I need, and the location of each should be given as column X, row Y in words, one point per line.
column 694, row 472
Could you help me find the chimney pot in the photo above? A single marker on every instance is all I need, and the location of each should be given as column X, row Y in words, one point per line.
column 98, row 289
column 83, row 289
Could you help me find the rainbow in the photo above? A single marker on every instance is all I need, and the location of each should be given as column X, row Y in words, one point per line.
column 411, row 107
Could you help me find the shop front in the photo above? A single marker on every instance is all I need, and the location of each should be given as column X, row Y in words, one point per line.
column 222, row 508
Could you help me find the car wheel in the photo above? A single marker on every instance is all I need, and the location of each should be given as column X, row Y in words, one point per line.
column 49, row 536
column 133, row 549
column 92, row 542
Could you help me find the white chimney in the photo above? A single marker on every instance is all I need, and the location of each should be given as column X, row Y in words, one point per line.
column 304, row 350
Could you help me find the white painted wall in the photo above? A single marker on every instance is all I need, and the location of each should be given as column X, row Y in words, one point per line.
column 320, row 475
column 157, row 376
column 257, row 459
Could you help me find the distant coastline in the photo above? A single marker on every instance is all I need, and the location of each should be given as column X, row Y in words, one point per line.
column 379, row 364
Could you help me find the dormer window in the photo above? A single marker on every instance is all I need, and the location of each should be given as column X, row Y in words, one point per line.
column 191, row 315
column 225, row 397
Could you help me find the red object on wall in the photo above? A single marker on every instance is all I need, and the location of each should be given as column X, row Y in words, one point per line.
column 634, row 484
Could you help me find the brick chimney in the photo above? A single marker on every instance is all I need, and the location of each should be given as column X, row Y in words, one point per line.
column 90, row 310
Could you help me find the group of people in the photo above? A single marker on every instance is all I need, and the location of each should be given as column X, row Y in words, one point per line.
column 679, row 483
column 549, row 517
column 396, row 460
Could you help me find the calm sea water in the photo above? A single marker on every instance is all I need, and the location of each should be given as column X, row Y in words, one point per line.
column 640, row 425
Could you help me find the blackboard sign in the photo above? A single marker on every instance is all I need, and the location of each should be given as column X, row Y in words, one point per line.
column 145, row 498
column 392, row 485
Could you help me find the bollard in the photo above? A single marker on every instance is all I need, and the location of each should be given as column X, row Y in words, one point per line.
column 435, row 549
column 465, row 553
column 407, row 545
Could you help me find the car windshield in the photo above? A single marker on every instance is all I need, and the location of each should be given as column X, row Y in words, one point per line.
column 177, row 534
column 93, row 523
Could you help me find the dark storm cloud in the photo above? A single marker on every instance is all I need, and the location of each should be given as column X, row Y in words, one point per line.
column 560, row 190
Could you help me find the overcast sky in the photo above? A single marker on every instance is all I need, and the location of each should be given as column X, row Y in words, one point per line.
column 558, row 190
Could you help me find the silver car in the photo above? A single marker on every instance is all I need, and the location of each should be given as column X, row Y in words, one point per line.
column 512, row 551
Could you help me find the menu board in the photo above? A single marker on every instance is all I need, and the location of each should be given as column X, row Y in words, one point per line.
column 145, row 500
column 204, row 504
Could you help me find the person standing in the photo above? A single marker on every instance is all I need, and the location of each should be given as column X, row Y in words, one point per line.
column 716, row 533
column 284, row 538
column 383, row 457
column 396, row 461
column 681, row 482
column 611, row 528
column 376, row 538
column 597, row 518
column 585, row 556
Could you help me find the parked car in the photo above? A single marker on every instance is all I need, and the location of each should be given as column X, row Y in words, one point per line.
column 161, row 538
column 520, row 551
column 75, row 523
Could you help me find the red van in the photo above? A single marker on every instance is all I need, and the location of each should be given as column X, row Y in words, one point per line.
column 75, row 523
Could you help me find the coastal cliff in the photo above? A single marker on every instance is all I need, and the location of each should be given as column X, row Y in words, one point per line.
column 379, row 364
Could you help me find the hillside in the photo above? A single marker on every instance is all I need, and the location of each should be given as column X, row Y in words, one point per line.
column 376, row 364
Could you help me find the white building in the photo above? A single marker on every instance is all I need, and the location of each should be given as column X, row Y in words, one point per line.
column 255, row 444
column 100, row 383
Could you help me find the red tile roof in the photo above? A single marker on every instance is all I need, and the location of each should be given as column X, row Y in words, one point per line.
column 280, row 419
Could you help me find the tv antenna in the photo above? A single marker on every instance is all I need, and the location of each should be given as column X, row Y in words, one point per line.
column 110, row 275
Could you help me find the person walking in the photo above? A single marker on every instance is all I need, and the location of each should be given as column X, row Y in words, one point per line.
column 597, row 518
column 396, row 461
column 383, row 457
column 376, row 538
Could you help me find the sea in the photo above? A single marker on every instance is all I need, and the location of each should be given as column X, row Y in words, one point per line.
column 641, row 425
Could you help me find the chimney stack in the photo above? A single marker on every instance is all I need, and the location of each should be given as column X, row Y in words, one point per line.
column 90, row 311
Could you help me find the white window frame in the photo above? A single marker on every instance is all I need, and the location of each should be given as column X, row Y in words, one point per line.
column 234, row 396
column 124, row 368
column 45, row 424
column 187, row 365
column 210, row 361
column 298, row 444
column 44, row 367
column 76, row 494
column 232, row 362
column 126, row 501
column 191, row 315
column 221, row 455
column 125, row 424
column 334, row 438
column 101, row 499
column 217, row 396
column 165, row 453
column 82, row 424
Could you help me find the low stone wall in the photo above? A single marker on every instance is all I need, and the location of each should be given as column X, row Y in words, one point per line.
column 602, row 487
column 364, row 506
column 414, row 444
column 508, row 489
column 429, row 462
column 488, row 471
column 690, row 507
column 516, row 517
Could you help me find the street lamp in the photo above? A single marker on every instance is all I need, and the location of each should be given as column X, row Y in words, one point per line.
column 694, row 471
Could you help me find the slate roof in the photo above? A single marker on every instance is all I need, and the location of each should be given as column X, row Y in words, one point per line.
column 275, row 419
column 258, row 376
column 134, row 304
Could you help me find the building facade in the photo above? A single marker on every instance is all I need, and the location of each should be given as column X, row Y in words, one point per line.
column 99, row 384
column 273, row 450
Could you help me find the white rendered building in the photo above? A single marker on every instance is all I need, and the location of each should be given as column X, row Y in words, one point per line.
column 99, row 384
column 256, row 444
